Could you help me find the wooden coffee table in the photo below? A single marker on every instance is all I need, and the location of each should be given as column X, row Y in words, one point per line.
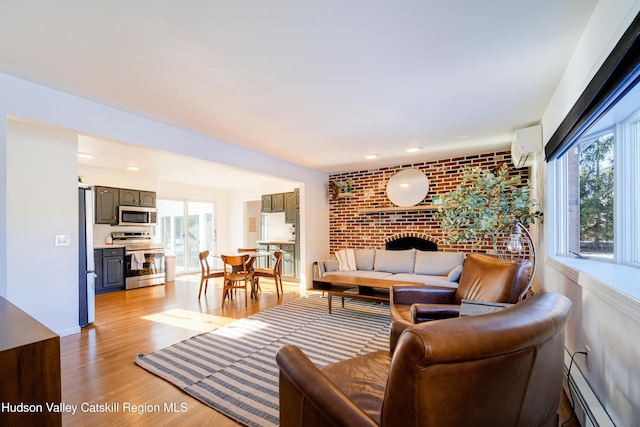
column 356, row 287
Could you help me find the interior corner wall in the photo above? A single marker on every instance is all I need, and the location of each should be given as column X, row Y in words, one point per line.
column 42, row 202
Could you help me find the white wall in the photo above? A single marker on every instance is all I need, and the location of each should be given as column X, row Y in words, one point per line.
column 40, row 104
column 41, row 195
column 3, row 204
column 602, row 317
column 252, row 213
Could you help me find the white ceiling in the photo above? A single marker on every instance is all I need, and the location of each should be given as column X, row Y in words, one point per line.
column 165, row 167
column 316, row 83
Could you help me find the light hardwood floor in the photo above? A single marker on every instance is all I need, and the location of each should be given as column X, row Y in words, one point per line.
column 98, row 367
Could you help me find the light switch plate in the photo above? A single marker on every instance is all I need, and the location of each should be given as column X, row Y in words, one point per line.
column 62, row 240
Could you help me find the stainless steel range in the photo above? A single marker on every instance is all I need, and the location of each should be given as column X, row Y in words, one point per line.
column 144, row 259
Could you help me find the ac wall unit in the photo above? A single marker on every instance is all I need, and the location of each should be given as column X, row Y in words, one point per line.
column 526, row 145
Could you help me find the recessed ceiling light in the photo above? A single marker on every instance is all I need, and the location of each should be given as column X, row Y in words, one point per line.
column 371, row 156
column 132, row 168
column 413, row 149
column 85, row 155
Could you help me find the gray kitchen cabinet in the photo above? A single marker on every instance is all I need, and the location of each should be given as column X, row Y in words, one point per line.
column 108, row 199
column 109, row 267
column 106, row 205
column 289, row 257
column 147, row 199
column 273, row 202
column 290, row 207
column 266, row 203
column 262, row 261
column 143, row 199
column 129, row 197
column 277, row 202
column 288, row 260
column 272, row 259
column 297, row 259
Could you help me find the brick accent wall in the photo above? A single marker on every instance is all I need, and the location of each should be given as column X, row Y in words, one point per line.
column 351, row 229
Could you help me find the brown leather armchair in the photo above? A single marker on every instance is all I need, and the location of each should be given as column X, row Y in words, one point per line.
column 484, row 278
column 498, row 369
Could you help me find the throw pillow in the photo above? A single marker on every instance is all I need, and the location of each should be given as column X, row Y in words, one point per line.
column 454, row 275
column 331, row 265
column 346, row 260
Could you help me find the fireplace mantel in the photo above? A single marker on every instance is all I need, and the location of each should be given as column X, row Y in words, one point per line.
column 399, row 209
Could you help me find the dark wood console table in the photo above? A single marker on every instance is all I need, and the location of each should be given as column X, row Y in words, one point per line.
column 356, row 287
column 29, row 368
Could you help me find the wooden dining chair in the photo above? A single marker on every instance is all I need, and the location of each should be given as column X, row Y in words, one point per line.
column 207, row 273
column 237, row 276
column 241, row 250
column 275, row 273
column 253, row 262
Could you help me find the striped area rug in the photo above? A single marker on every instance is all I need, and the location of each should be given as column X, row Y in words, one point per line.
column 233, row 368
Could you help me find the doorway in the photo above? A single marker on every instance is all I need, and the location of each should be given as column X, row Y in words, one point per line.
column 186, row 228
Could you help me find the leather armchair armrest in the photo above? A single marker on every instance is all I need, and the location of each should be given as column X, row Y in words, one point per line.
column 309, row 398
column 396, row 329
column 410, row 294
column 425, row 312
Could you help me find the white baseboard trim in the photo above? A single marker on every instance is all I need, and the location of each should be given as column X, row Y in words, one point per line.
column 588, row 409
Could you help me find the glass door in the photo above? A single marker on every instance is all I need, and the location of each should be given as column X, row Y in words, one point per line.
column 200, row 233
column 186, row 228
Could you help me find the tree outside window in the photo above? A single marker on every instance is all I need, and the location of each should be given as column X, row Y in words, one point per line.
column 596, row 190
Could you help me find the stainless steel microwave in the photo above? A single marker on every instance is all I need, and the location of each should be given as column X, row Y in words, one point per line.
column 132, row 215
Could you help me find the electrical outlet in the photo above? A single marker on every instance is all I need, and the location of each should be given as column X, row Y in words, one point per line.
column 587, row 357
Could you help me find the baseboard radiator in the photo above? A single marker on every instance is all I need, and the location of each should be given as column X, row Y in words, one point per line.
column 588, row 409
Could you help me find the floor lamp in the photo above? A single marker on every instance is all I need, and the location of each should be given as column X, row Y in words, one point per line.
column 518, row 248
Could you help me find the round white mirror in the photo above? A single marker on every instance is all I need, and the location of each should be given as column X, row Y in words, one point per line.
column 407, row 187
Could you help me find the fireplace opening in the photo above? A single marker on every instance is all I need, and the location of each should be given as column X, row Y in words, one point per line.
column 403, row 243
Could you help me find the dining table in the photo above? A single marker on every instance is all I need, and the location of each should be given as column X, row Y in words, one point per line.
column 253, row 255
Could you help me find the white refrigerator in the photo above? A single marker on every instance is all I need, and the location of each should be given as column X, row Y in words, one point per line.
column 87, row 290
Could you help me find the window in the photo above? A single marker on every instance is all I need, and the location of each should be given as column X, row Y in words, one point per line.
column 596, row 185
column 591, row 195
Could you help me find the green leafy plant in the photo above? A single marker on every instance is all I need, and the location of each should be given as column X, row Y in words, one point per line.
column 485, row 205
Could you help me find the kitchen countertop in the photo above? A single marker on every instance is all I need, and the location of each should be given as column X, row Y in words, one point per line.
column 277, row 242
column 105, row 246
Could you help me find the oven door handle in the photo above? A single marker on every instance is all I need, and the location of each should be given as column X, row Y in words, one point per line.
column 146, row 251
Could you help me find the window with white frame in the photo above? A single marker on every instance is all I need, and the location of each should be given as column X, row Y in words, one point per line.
column 596, row 184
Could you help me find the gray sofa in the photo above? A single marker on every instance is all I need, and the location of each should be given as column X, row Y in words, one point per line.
column 427, row 267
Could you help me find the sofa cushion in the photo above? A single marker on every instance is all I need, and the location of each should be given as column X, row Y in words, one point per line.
column 331, row 265
column 441, row 281
column 364, row 259
column 435, row 263
column 395, row 261
column 363, row 274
